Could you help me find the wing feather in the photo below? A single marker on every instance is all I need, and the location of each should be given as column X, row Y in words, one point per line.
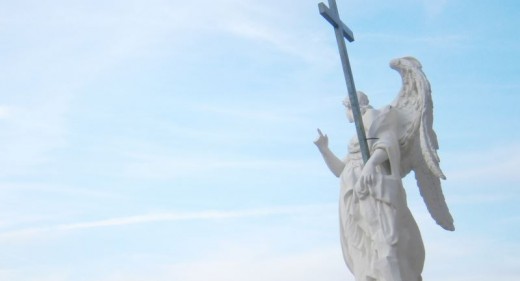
column 418, row 140
column 430, row 188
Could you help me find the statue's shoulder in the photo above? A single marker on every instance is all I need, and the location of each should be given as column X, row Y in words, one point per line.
column 382, row 120
column 387, row 112
column 374, row 115
column 369, row 116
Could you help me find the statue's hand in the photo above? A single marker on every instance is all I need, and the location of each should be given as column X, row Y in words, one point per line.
column 367, row 175
column 361, row 190
column 365, row 180
column 322, row 141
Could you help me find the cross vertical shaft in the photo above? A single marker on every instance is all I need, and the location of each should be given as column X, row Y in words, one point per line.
column 331, row 14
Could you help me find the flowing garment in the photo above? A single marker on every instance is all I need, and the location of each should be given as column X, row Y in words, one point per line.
column 379, row 237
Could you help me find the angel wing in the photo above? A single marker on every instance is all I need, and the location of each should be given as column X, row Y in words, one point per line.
column 418, row 140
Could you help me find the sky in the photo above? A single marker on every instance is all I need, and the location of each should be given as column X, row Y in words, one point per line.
column 173, row 140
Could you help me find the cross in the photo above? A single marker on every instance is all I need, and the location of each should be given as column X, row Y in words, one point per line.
column 332, row 16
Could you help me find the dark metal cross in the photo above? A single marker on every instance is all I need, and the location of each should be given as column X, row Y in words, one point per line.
column 332, row 16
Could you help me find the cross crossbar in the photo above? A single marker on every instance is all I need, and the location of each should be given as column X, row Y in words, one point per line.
column 333, row 18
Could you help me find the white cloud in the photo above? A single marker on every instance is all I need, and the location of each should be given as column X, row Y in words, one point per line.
column 439, row 41
column 320, row 264
column 459, row 257
column 47, row 70
column 156, row 166
column 285, row 41
column 5, row 112
column 268, row 114
column 450, row 256
column 490, row 164
column 69, row 46
column 28, row 233
column 30, row 132
column 434, row 8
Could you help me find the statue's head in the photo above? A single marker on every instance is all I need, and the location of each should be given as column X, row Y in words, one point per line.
column 364, row 104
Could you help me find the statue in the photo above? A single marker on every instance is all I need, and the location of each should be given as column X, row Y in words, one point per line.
column 379, row 236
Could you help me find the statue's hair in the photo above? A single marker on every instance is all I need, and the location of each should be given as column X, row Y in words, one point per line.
column 363, row 101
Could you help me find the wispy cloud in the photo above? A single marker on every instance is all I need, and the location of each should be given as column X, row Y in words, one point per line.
column 5, row 112
column 446, row 252
column 271, row 115
column 443, row 41
column 48, row 274
column 267, row 22
column 492, row 164
column 283, row 40
column 30, row 132
column 322, row 263
column 434, row 8
column 181, row 164
column 28, row 233
column 49, row 66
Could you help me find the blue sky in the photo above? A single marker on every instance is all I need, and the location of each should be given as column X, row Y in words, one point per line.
column 172, row 140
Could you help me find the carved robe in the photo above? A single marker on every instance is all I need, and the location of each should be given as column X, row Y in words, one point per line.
column 380, row 239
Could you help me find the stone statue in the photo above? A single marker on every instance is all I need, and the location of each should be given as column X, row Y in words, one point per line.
column 379, row 237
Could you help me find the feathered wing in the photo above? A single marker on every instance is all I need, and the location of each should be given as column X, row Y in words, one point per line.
column 418, row 140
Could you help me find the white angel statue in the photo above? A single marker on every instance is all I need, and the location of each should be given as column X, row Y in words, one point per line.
column 379, row 237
